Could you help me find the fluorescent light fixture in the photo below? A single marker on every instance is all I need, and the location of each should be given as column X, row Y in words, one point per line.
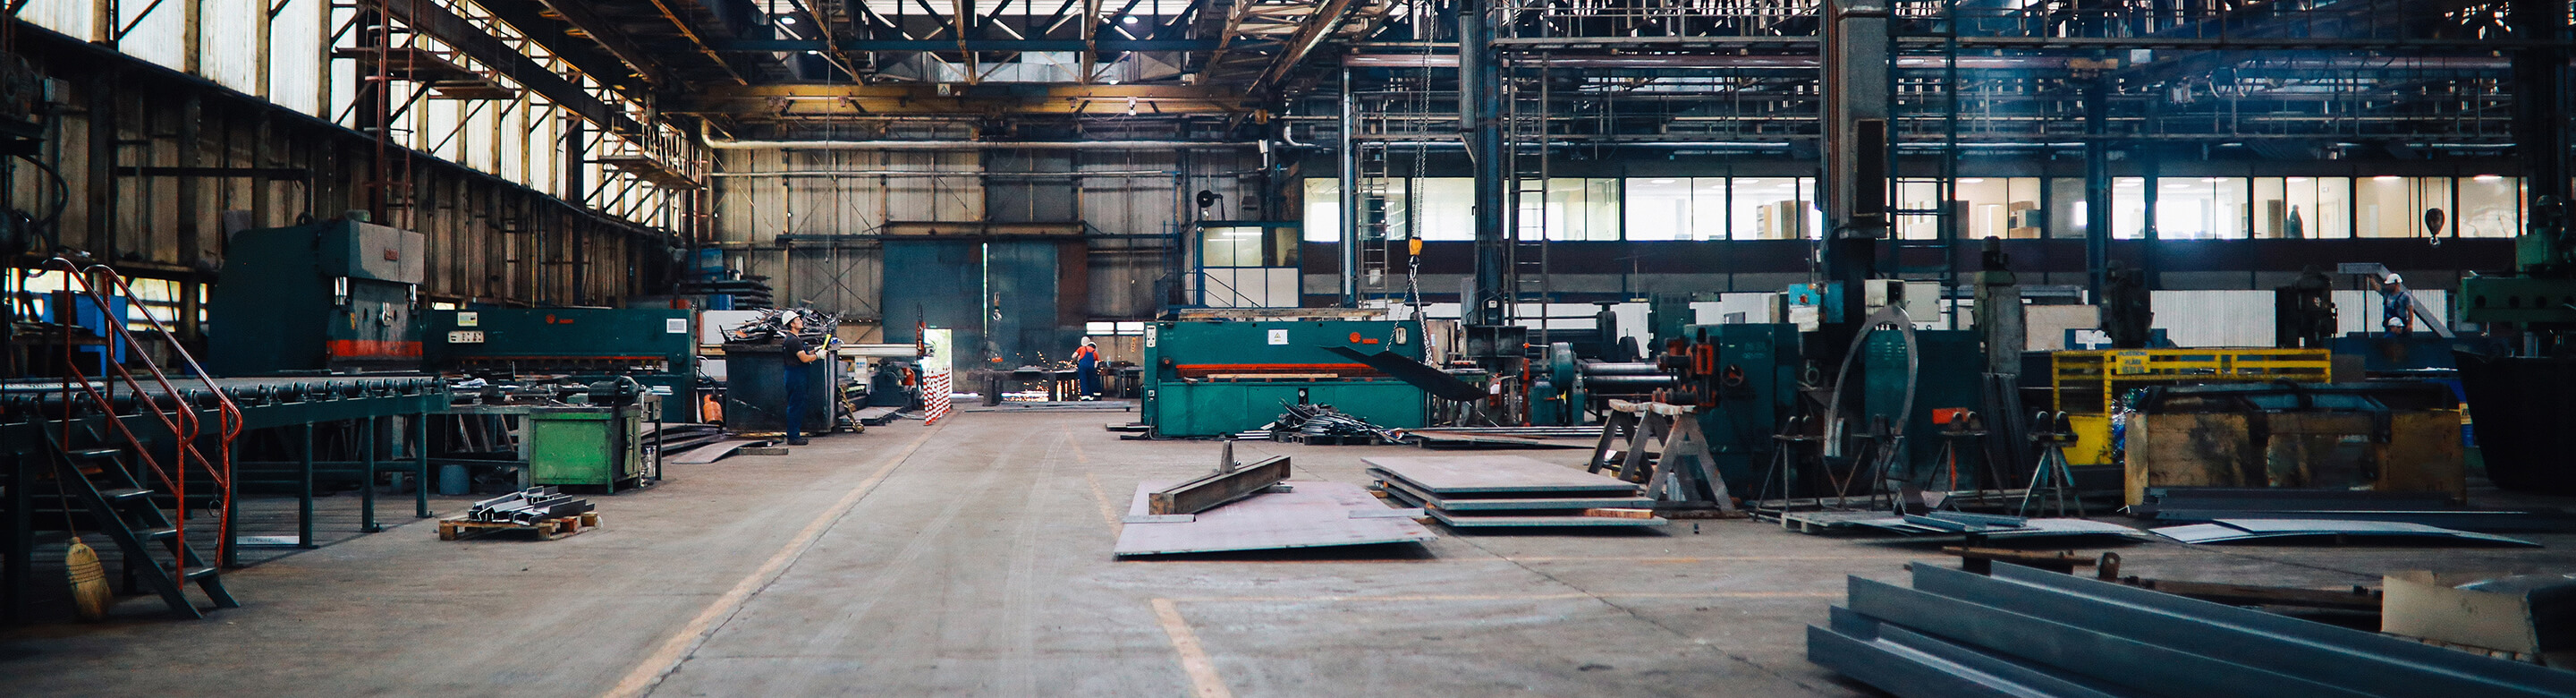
column 2386, row 178
column 2213, row 180
column 1659, row 181
column 1973, row 180
column 2298, row 179
column 786, row 20
column 1130, row 19
column 2488, row 178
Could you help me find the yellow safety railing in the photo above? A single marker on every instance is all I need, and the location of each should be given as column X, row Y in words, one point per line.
column 2086, row 382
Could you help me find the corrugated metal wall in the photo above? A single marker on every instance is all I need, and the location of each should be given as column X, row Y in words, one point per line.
column 830, row 205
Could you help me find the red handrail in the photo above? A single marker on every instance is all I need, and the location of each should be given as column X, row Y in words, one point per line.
column 185, row 428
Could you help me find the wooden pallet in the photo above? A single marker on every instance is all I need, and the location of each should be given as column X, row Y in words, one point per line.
column 459, row 528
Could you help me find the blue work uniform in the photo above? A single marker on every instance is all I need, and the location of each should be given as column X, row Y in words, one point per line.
column 800, row 376
column 1086, row 364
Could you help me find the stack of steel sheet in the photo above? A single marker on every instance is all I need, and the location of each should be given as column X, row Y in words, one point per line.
column 1506, row 491
column 2207, row 504
column 2029, row 632
column 1991, row 526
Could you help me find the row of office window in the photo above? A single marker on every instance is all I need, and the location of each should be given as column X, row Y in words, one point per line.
column 1781, row 208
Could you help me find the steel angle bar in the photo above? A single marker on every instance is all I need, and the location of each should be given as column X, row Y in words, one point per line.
column 2516, row 677
column 1994, row 674
column 2320, row 661
column 1902, row 670
column 2082, row 651
column 1218, row 488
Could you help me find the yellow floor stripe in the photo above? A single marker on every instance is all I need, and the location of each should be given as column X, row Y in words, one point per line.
column 1194, row 660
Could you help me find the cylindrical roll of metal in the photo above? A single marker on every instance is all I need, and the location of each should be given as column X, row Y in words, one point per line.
column 1612, row 368
column 1626, row 385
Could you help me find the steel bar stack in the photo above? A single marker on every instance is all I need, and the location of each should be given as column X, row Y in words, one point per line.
column 2025, row 631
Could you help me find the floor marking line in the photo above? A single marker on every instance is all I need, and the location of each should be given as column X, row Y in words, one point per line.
column 1194, row 660
column 1108, row 515
column 1523, row 597
column 680, row 644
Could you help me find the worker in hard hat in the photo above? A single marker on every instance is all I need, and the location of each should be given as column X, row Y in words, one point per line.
column 2396, row 307
column 1086, row 368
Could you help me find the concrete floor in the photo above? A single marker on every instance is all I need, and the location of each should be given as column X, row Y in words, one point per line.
column 972, row 558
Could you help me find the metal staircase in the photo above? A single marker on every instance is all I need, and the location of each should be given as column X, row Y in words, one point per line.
column 152, row 452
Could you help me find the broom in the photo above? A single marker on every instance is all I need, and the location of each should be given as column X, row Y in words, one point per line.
column 90, row 594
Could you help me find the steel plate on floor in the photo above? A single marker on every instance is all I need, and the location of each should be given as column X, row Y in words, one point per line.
column 1310, row 515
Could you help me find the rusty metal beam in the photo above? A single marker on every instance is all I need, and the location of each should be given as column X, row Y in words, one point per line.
column 1215, row 489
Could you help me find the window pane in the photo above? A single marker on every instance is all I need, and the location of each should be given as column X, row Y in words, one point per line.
column 2128, row 207
column 1659, row 208
column 2490, row 206
column 1708, row 208
column 1323, row 210
column 1448, row 208
column 1918, row 196
column 1769, row 208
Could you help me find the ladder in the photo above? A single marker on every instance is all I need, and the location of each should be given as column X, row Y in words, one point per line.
column 124, row 501
column 1382, row 203
column 1525, row 144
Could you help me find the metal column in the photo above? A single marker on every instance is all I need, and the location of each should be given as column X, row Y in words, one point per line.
column 304, row 492
column 2097, row 187
column 1480, row 91
column 1350, row 168
column 1856, row 151
column 370, row 434
column 2541, row 101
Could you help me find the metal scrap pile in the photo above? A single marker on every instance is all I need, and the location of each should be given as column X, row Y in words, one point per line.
column 1324, row 421
column 773, row 322
column 526, row 507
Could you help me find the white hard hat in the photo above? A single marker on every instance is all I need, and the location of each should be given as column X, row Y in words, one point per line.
column 2392, row 278
column 1086, row 341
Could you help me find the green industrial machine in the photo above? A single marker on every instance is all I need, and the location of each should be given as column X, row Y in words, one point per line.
column 585, row 446
column 1205, row 378
column 1758, row 387
column 1948, row 368
column 337, row 295
column 655, row 346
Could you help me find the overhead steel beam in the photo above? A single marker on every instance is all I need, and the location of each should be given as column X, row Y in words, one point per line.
column 885, row 99
column 1000, row 45
column 692, row 34
column 578, row 14
column 438, row 23
column 1320, row 25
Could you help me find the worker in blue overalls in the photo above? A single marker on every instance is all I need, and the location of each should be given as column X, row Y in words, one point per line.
column 800, row 374
column 1086, row 368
